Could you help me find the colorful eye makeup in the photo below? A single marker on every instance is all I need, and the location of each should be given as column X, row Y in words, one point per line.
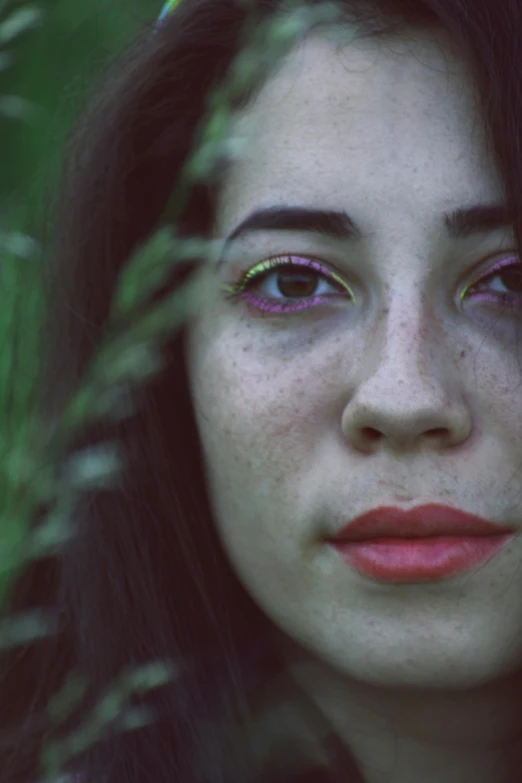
column 508, row 273
column 293, row 277
column 294, row 283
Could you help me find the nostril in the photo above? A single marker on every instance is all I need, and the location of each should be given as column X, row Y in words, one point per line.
column 437, row 432
column 371, row 434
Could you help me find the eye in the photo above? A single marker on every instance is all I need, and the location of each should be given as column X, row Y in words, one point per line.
column 288, row 283
column 502, row 285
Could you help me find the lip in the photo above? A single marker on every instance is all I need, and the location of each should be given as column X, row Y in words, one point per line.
column 419, row 522
column 421, row 544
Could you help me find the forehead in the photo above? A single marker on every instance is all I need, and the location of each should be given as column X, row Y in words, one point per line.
column 371, row 119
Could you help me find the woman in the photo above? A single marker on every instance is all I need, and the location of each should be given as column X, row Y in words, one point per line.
column 381, row 163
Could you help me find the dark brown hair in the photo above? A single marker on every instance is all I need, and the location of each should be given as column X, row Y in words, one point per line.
column 145, row 577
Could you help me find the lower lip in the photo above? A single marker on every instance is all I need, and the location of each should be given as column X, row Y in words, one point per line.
column 418, row 559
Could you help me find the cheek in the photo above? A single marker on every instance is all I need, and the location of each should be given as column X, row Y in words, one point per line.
column 261, row 421
column 490, row 376
column 252, row 415
column 493, row 378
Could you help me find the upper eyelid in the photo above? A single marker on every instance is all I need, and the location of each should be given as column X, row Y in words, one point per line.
column 490, row 265
column 281, row 260
column 284, row 259
column 503, row 263
column 477, row 271
column 292, row 259
column 494, row 258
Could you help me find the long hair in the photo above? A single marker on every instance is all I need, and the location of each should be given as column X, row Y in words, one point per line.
column 145, row 578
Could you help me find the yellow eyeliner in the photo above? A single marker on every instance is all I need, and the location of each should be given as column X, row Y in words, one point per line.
column 271, row 264
column 463, row 294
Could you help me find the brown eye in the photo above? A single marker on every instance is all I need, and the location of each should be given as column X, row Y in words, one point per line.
column 507, row 280
column 502, row 285
column 289, row 283
column 296, row 283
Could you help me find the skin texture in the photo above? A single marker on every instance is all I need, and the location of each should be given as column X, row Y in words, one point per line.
column 406, row 395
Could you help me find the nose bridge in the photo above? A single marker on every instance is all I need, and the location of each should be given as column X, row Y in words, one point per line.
column 403, row 344
column 407, row 390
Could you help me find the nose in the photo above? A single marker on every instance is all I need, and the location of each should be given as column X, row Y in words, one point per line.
column 411, row 397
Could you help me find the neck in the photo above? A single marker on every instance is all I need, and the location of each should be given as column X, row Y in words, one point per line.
column 403, row 735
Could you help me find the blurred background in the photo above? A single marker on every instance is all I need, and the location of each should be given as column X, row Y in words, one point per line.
column 49, row 53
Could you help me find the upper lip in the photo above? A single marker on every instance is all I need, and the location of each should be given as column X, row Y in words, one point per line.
column 419, row 522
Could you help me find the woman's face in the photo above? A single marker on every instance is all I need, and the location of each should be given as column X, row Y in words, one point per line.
column 398, row 382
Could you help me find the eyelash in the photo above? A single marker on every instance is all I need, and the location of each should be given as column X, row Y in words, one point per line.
column 265, row 269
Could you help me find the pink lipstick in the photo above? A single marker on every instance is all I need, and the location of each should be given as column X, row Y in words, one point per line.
column 422, row 544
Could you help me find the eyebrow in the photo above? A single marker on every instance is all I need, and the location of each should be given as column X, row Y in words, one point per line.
column 460, row 224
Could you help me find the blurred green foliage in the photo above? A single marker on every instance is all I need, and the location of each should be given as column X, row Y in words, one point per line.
column 50, row 50
column 49, row 54
column 52, row 63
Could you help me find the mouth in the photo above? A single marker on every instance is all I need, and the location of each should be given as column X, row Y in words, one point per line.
column 423, row 544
